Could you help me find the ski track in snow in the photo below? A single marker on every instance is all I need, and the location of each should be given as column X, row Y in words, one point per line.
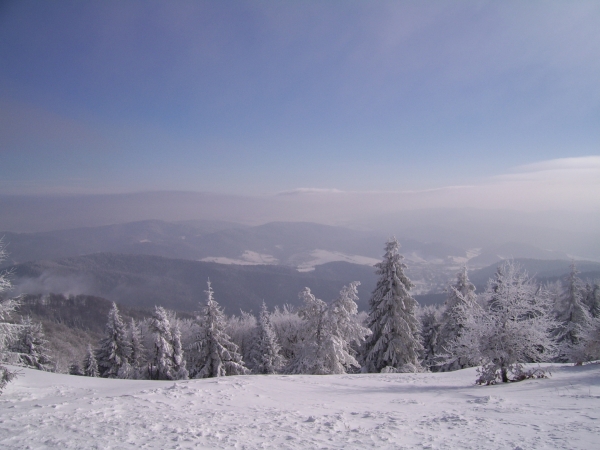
column 444, row 410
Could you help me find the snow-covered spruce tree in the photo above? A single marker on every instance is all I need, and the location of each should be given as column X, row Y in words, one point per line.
column 179, row 363
column 343, row 331
column 430, row 317
column 592, row 298
column 309, row 355
column 460, row 305
column 138, row 352
column 513, row 328
column 114, row 350
column 395, row 342
column 265, row 355
column 8, row 331
column 214, row 353
column 75, row 369
column 31, row 346
column 90, row 365
column 573, row 318
column 167, row 362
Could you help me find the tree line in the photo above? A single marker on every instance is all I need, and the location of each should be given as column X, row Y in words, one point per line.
column 513, row 322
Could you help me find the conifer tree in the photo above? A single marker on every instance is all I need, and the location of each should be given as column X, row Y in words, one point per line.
column 592, row 298
column 431, row 322
column 394, row 344
column 167, row 362
column 215, row 355
column 8, row 331
column 137, row 349
column 459, row 308
column 180, row 371
column 90, row 365
column 75, row 369
column 573, row 318
column 114, row 350
column 309, row 355
column 342, row 331
column 512, row 329
column 266, row 352
column 31, row 345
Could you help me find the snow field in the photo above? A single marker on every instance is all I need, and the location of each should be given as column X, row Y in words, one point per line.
column 432, row 410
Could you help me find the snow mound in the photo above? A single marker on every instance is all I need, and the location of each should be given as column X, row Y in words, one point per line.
column 442, row 411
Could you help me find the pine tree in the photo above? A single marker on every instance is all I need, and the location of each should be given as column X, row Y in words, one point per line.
column 31, row 346
column 8, row 331
column 459, row 307
column 266, row 352
column 309, row 355
column 592, row 298
column 114, row 351
column 588, row 348
column 178, row 361
column 431, row 322
column 167, row 362
column 394, row 344
column 90, row 365
column 512, row 329
column 215, row 354
column 75, row 369
column 137, row 349
column 573, row 316
column 343, row 330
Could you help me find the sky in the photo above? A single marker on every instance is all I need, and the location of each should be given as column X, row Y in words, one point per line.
column 488, row 101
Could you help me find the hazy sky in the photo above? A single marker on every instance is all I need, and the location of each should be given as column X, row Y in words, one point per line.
column 266, row 97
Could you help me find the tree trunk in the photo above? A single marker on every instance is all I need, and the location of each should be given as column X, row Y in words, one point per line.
column 504, row 374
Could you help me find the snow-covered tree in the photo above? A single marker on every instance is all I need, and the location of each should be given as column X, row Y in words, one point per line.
column 265, row 356
column 243, row 330
column 395, row 342
column 431, row 322
column 573, row 317
column 167, row 362
column 214, row 353
column 179, row 363
column 31, row 345
column 114, row 349
column 75, row 369
column 90, row 365
column 592, row 298
column 309, row 355
column 511, row 329
column 344, row 332
column 8, row 331
column 138, row 352
column 288, row 327
column 460, row 305
column 588, row 348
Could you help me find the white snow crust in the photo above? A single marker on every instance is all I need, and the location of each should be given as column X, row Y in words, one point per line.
column 318, row 257
column 248, row 258
column 431, row 410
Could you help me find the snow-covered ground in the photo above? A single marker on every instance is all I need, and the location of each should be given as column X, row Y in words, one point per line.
column 318, row 257
column 248, row 258
column 46, row 410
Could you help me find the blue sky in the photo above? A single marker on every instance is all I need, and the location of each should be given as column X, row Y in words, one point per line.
column 268, row 96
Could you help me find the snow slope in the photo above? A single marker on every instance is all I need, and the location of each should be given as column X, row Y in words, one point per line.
column 445, row 410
